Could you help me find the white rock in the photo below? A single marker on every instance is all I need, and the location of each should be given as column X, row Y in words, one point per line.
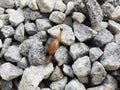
column 23, row 3
column 8, row 71
column 68, row 37
column 45, row 89
column 1, row 23
column 23, row 63
column 7, row 3
column 1, row 43
column 32, row 4
column 57, row 17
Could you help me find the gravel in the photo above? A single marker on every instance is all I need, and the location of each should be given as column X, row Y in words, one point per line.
column 23, row 63
column 7, row 3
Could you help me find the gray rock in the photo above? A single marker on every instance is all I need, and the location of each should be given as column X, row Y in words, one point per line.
column 17, row 3
column 62, row 56
column 68, row 21
column 30, row 28
column 117, row 38
column 7, row 31
column 82, row 32
column 101, row 87
column 46, row 6
column 114, row 27
column 1, row 23
column 8, row 71
column 57, row 17
column 1, row 43
column 78, row 49
column 4, row 18
column 32, row 4
column 66, row 1
column 20, row 33
column 82, row 67
column 60, row 6
column 57, row 74
column 34, row 75
column 95, row 53
column 68, row 70
column 103, row 37
column 111, row 56
column 95, row 12
column 12, row 54
column 79, row 17
column 98, row 73
column 59, row 85
column 37, row 54
column 67, row 38
column 74, row 85
column 45, row 89
column 7, row 3
column 43, row 24
column 23, row 63
column 2, row 10
column 23, row 3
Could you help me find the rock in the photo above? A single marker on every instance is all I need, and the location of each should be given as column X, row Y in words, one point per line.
column 46, row 6
column 115, row 15
column 16, row 16
column 82, row 32
column 95, row 53
column 79, row 17
column 69, row 8
column 57, row 74
column 117, row 38
column 2, row 10
column 110, row 81
column 103, row 37
column 30, row 28
column 17, row 3
column 59, row 85
column 34, row 75
column 5, row 46
column 37, row 54
column 68, row 70
column 68, row 21
column 78, row 49
column 23, row 3
column 4, row 18
column 82, row 67
column 66, row 1
column 8, row 71
column 12, row 54
column 114, row 27
column 23, row 63
column 7, row 31
column 57, row 17
column 74, row 85
column 1, row 23
column 98, row 73
column 7, row 3
column 111, row 57
column 101, row 87
column 32, row 4
column 45, row 89
column 94, row 11
column 1, row 43
column 43, row 24
column 62, row 56
column 67, row 38
column 20, row 33
column 60, row 6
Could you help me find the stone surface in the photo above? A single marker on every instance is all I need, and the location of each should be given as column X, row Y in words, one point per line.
column 67, row 38
column 8, row 71
column 59, row 85
column 23, row 63
column 117, row 38
column 34, row 75
column 101, row 87
column 57, row 17
column 2, row 10
column 45, row 89
column 23, row 3
column 1, row 43
column 95, row 53
column 83, row 32
column 7, row 3
column 4, row 18
column 103, row 37
column 32, row 4
column 12, row 54
column 74, row 85
column 1, row 23
column 78, row 49
column 111, row 56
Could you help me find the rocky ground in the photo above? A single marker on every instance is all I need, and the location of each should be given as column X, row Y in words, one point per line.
column 89, row 54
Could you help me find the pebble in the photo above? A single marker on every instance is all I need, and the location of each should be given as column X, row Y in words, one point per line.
column 95, row 53
column 78, row 49
column 34, row 75
column 4, row 18
column 23, row 3
column 67, row 38
column 111, row 57
column 23, row 63
column 59, row 85
column 12, row 54
column 45, row 89
column 98, row 73
column 103, row 37
column 7, row 31
column 83, row 32
column 7, row 3
column 9, row 72
column 57, row 17
column 32, row 4
column 2, row 10
column 74, row 84
column 62, row 55
column 1, row 23
column 117, row 38
column 79, row 17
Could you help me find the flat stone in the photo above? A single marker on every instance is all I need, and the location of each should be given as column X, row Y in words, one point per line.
column 9, row 72
column 32, row 4
column 67, row 38
column 23, row 63
column 78, row 49
column 7, row 3
column 83, row 32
